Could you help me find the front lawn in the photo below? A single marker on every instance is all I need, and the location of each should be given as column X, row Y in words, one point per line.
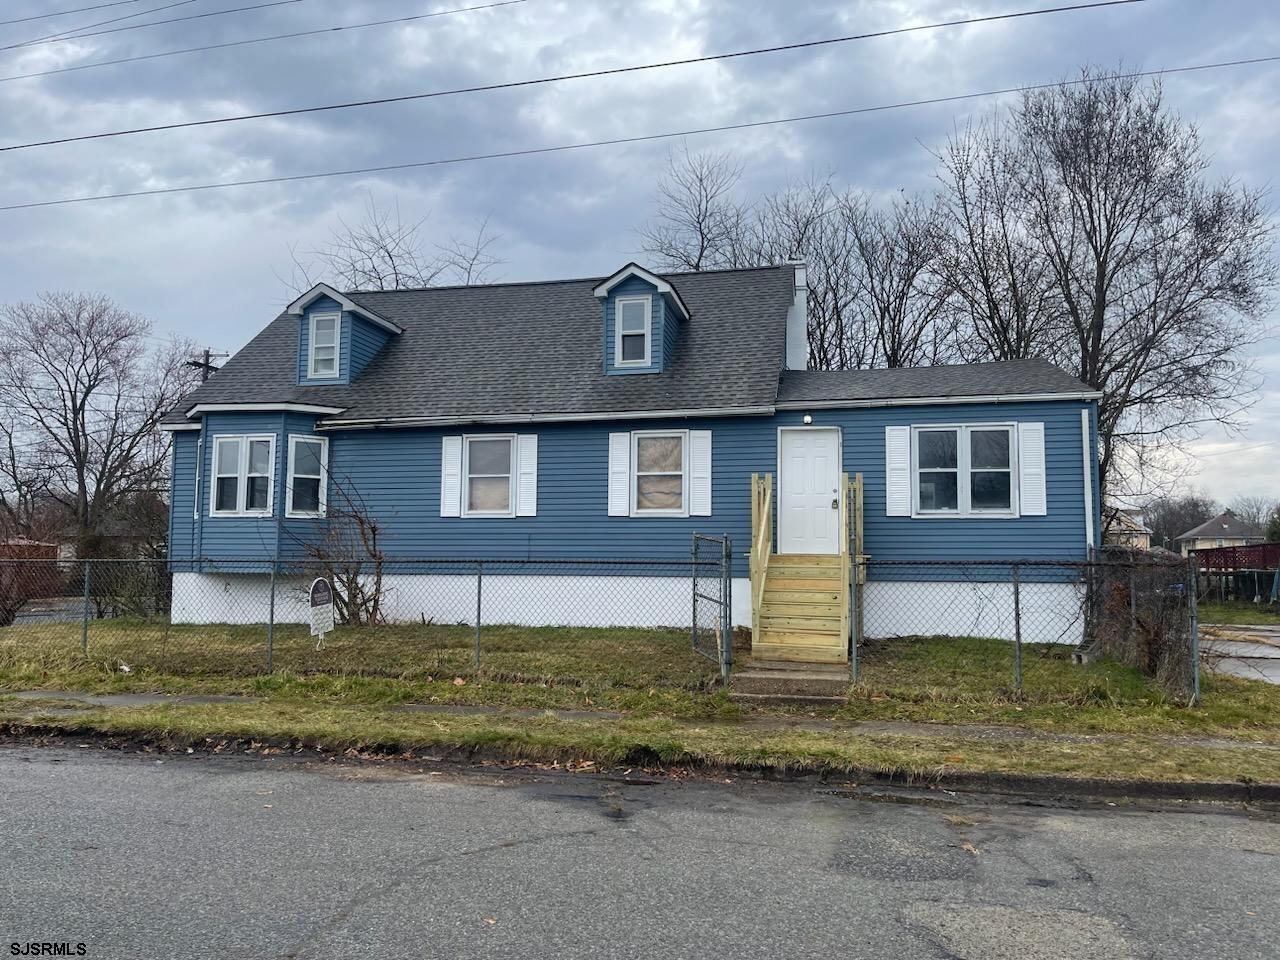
column 617, row 657
column 1238, row 614
column 642, row 673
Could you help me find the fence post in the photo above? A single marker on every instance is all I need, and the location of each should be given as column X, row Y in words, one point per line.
column 479, row 588
column 84, row 614
column 271, row 619
column 1017, row 628
column 693, row 630
column 1193, row 577
column 726, row 594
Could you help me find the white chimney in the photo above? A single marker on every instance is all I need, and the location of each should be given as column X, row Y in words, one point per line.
column 798, row 320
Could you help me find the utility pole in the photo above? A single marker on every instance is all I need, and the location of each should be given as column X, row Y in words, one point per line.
column 205, row 363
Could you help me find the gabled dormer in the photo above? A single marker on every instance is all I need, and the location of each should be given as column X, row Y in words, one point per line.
column 642, row 318
column 337, row 338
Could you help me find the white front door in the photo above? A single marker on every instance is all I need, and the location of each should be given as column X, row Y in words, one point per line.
column 809, row 490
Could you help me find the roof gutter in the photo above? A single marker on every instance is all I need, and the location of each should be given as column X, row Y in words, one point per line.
column 404, row 422
column 200, row 408
column 926, row 401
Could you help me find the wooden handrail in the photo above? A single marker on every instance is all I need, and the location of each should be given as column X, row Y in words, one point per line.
column 761, row 541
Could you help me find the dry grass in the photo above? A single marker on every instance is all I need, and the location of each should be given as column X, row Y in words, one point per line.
column 665, row 741
column 618, row 657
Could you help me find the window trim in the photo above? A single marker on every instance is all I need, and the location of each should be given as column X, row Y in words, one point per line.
column 633, row 471
column 337, row 345
column 647, row 300
column 242, row 475
column 964, row 472
column 512, row 468
column 290, row 476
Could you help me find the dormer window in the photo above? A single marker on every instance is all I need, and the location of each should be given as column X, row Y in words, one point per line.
column 634, row 331
column 323, row 345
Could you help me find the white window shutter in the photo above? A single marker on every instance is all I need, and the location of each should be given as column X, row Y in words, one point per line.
column 699, row 473
column 897, row 471
column 1032, row 500
column 619, row 474
column 527, row 475
column 451, row 477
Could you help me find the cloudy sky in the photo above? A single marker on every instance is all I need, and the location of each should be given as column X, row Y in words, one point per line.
column 208, row 265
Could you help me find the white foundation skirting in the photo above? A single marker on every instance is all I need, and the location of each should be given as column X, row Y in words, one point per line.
column 1051, row 612
column 540, row 600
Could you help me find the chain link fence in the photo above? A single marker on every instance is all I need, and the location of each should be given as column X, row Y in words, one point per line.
column 631, row 623
column 1075, row 631
column 1060, row 631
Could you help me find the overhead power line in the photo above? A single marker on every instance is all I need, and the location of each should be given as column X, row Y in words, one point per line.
column 590, row 74
column 63, row 37
column 565, row 148
column 66, row 34
column 63, row 13
column 254, row 40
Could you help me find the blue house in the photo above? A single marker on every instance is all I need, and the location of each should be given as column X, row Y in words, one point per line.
column 613, row 418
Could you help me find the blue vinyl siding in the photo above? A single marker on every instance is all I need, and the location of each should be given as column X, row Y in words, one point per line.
column 396, row 474
column 366, row 340
column 664, row 327
column 182, row 502
column 244, row 538
column 358, row 343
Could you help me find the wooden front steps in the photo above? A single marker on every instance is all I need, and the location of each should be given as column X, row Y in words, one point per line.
column 785, row 681
column 803, row 611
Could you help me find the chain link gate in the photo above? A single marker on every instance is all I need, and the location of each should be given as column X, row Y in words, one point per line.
column 712, row 579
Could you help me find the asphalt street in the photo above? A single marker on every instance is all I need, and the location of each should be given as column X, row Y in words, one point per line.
column 222, row 856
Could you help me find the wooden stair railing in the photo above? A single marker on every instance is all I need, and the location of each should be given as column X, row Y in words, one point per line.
column 761, row 542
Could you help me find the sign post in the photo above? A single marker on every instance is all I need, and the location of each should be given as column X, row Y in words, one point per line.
column 321, row 595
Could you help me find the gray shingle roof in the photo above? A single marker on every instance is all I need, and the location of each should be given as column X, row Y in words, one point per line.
column 1226, row 525
column 1005, row 378
column 513, row 350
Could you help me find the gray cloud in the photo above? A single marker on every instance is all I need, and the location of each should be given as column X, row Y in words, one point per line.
column 206, row 264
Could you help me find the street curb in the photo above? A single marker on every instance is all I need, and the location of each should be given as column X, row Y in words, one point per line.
column 1043, row 787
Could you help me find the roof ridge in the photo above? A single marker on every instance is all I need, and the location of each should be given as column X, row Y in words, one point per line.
column 548, row 283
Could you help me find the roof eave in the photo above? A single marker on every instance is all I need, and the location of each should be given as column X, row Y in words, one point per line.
column 324, row 290
column 924, row 401
column 635, row 270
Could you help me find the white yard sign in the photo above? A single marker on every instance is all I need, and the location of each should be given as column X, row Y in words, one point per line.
column 321, row 607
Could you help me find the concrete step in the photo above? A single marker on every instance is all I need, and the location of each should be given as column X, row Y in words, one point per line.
column 807, row 683
column 788, row 699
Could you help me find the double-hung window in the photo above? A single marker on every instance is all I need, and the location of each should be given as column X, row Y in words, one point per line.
column 322, row 354
column 305, row 494
column 487, row 467
column 964, row 470
column 243, row 476
column 632, row 346
column 659, row 475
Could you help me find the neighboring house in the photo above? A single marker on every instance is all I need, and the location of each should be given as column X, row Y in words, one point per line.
column 1126, row 528
column 1224, row 530
column 613, row 418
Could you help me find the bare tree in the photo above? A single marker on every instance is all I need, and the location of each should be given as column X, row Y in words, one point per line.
column 1172, row 515
column 699, row 224
column 1001, row 285
column 350, row 556
column 1254, row 510
column 82, row 394
column 895, row 258
column 1159, row 277
column 384, row 251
